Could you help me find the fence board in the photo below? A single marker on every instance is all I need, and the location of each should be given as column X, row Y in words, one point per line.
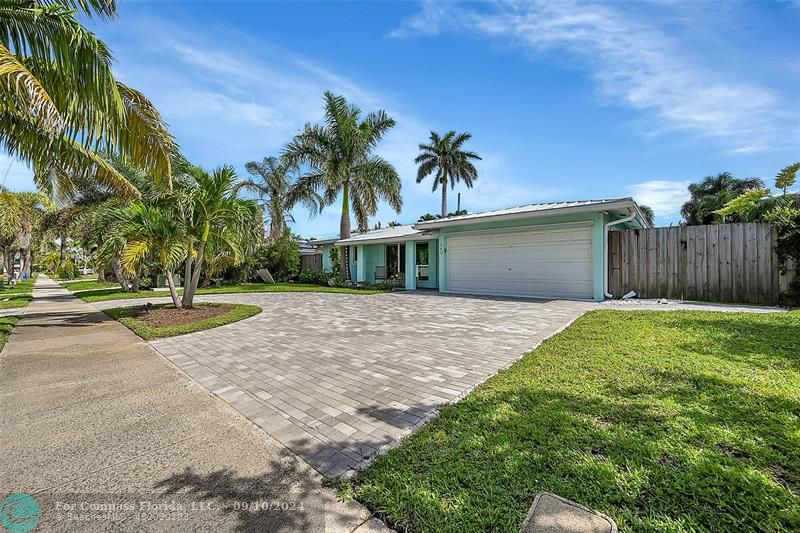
column 311, row 262
column 722, row 263
column 725, row 273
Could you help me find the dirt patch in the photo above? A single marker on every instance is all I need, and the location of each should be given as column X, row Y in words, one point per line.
column 158, row 317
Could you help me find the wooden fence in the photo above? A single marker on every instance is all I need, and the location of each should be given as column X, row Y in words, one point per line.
column 311, row 262
column 716, row 263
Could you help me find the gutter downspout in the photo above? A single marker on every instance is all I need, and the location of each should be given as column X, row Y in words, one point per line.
column 605, row 248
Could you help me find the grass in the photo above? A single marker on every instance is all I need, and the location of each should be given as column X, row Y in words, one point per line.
column 126, row 315
column 6, row 325
column 17, row 296
column 23, row 286
column 118, row 294
column 14, row 300
column 666, row 421
column 88, row 284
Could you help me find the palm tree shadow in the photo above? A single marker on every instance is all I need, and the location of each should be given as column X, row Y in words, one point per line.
column 281, row 498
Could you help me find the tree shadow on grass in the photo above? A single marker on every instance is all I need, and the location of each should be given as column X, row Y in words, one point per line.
column 754, row 339
column 684, row 451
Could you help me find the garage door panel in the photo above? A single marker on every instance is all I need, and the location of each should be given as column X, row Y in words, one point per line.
column 539, row 263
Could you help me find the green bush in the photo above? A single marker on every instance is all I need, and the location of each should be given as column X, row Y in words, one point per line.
column 283, row 257
column 69, row 270
column 335, row 259
column 316, row 278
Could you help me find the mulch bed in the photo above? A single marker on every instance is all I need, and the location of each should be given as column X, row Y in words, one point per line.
column 169, row 316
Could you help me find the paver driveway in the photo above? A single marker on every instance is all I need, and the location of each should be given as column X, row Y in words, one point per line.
column 337, row 377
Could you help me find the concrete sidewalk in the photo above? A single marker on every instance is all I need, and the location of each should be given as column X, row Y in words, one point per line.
column 105, row 434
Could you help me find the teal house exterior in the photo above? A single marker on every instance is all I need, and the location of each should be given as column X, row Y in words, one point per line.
column 552, row 250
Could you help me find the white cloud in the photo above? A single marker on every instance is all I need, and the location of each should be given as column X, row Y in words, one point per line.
column 14, row 174
column 664, row 197
column 634, row 62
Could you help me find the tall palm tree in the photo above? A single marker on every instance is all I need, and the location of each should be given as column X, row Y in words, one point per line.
column 711, row 194
column 444, row 157
column 60, row 104
column 276, row 192
column 339, row 154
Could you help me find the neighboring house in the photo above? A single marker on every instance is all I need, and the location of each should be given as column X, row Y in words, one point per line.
column 307, row 247
column 550, row 250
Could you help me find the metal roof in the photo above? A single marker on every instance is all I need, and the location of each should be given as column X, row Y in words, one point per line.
column 533, row 210
column 394, row 234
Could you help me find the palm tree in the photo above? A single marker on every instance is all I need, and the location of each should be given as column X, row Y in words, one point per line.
column 153, row 231
column 339, row 154
column 786, row 177
column 444, row 157
column 21, row 217
column 61, row 104
column 711, row 194
column 216, row 213
column 276, row 192
column 648, row 214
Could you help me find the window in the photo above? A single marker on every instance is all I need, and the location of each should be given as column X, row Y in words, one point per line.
column 423, row 256
column 355, row 253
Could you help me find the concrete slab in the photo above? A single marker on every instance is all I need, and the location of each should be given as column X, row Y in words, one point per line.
column 551, row 513
column 109, row 436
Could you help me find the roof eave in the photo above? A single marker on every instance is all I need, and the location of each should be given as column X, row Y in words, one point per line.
column 422, row 236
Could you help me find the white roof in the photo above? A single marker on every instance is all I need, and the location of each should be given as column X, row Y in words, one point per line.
column 395, row 234
column 532, row 210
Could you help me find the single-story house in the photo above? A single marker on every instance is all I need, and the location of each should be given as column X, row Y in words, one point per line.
column 547, row 250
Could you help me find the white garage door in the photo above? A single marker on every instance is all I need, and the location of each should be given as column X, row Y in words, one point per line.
column 554, row 262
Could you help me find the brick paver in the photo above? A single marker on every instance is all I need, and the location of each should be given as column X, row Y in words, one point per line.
column 337, row 378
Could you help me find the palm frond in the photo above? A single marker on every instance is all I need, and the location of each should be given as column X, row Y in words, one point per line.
column 21, row 87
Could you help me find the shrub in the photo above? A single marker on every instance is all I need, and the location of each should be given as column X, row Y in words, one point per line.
column 335, row 261
column 283, row 257
column 69, row 270
column 316, row 278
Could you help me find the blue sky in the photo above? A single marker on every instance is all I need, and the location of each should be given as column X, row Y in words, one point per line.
column 564, row 100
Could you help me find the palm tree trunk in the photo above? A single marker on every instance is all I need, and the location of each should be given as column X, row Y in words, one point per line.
column 344, row 232
column 120, row 275
column 275, row 224
column 62, row 251
column 189, row 292
column 187, row 269
column 444, row 195
column 172, row 290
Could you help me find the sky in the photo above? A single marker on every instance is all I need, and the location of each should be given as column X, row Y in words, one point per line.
column 565, row 100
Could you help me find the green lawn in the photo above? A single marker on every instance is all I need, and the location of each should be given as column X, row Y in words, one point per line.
column 25, row 286
column 14, row 300
column 17, row 296
column 666, row 421
column 6, row 325
column 117, row 294
column 76, row 286
column 126, row 315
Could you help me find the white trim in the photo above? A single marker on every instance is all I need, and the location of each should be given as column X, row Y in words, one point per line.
column 526, row 228
column 426, row 236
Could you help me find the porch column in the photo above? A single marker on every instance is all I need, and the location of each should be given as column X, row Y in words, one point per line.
column 360, row 265
column 411, row 265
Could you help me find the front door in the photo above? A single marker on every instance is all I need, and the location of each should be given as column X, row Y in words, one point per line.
column 395, row 259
